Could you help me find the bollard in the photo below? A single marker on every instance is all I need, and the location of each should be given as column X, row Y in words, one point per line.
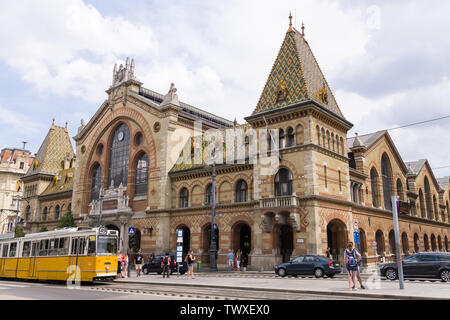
column 199, row 265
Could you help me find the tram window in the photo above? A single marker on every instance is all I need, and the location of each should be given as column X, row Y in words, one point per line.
column 26, row 249
column 82, row 246
column 34, row 248
column 91, row 246
column 12, row 249
column 107, row 245
column 5, row 250
column 43, row 248
column 63, row 248
column 53, row 247
column 74, row 247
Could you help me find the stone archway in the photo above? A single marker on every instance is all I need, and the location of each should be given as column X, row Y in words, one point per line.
column 337, row 238
column 405, row 244
column 241, row 237
column 426, row 243
column 206, row 243
column 286, row 242
column 433, row 243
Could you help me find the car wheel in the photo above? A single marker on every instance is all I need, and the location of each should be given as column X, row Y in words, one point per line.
column 445, row 275
column 281, row 272
column 145, row 270
column 318, row 273
column 391, row 274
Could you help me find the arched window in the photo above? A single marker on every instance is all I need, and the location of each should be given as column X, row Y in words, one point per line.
column 141, row 176
column 342, row 145
column 328, row 140
column 241, row 191
column 333, row 142
column 386, row 174
column 374, row 180
column 28, row 213
column 57, row 212
column 422, row 204
column 97, row 180
column 428, row 199
column 416, row 243
column 392, row 246
column 318, row 135
column 436, row 212
column 405, row 244
column 119, row 156
column 290, row 137
column 283, row 183
column 282, row 139
column 44, row 216
column 184, row 198
column 208, row 194
column 337, row 145
column 379, row 238
column 324, row 138
column 426, row 243
column 433, row 243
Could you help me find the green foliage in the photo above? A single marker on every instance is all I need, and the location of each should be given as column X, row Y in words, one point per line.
column 66, row 221
column 18, row 232
column 43, row 229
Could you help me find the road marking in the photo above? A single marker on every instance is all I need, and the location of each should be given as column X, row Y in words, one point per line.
column 12, row 285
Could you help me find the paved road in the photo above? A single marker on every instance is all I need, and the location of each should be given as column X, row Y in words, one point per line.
column 18, row 290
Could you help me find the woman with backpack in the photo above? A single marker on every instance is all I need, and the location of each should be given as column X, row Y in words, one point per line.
column 351, row 258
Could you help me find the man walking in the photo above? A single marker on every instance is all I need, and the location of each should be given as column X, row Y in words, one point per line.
column 230, row 259
column 165, row 265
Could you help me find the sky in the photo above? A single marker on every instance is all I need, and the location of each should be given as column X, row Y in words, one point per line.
column 386, row 61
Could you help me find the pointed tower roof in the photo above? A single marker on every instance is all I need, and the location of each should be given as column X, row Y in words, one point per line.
column 54, row 148
column 296, row 77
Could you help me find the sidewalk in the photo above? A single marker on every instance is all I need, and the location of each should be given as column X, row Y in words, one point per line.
column 375, row 288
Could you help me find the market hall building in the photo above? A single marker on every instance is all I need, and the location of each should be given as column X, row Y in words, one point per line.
column 135, row 144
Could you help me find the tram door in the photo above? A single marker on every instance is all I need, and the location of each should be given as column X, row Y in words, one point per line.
column 2, row 261
column 73, row 260
column 32, row 266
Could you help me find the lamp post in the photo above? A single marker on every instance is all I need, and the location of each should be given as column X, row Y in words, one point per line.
column 100, row 199
column 213, row 246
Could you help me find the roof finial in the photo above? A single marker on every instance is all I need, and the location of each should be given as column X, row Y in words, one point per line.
column 53, row 122
column 303, row 29
column 66, row 126
column 290, row 22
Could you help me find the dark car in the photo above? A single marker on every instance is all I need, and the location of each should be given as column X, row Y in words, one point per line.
column 420, row 265
column 155, row 265
column 309, row 265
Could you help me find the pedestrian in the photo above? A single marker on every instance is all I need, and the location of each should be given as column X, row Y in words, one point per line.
column 238, row 260
column 119, row 264
column 244, row 261
column 138, row 261
column 329, row 256
column 358, row 271
column 190, row 259
column 125, row 266
column 230, row 259
column 351, row 258
column 165, row 265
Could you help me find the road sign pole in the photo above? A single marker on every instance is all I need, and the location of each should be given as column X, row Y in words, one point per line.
column 397, row 242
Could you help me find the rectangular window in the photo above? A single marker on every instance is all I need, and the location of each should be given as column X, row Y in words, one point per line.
column 43, row 248
column 340, row 185
column 82, row 246
column 91, row 246
column 325, row 175
column 53, row 247
column 12, row 249
column 26, row 249
column 21, row 165
column 5, row 250
column 74, row 247
column 63, row 247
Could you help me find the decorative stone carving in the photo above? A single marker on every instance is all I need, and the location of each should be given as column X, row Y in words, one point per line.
column 294, row 219
column 112, row 194
column 267, row 222
column 280, row 218
column 171, row 97
column 123, row 74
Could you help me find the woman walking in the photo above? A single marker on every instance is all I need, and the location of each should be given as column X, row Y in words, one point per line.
column 190, row 262
column 351, row 258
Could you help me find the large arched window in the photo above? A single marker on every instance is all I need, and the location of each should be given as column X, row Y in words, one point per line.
column 45, row 214
column 283, row 183
column 400, row 189
column 290, row 137
column 96, row 183
column 436, row 210
column 374, row 180
column 422, row 204
column 141, row 176
column 57, row 212
column 428, row 199
column 386, row 173
column 208, row 194
column 119, row 156
column 184, row 198
column 281, row 139
column 392, row 246
column 241, row 191
column 28, row 213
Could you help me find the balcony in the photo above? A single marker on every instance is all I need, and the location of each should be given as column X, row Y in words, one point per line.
column 279, row 202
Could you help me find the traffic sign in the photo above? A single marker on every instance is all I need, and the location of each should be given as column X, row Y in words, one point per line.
column 374, row 244
column 131, row 230
column 356, row 237
column 180, row 233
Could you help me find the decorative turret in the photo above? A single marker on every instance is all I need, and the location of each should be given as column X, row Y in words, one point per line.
column 171, row 97
column 123, row 74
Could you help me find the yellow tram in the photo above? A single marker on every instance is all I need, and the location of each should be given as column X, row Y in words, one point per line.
column 83, row 254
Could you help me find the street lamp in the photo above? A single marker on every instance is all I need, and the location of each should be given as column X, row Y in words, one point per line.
column 100, row 199
column 213, row 244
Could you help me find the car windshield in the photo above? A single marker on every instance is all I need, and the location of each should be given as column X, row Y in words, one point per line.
column 106, row 245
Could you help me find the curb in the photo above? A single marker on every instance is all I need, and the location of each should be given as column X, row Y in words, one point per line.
column 348, row 294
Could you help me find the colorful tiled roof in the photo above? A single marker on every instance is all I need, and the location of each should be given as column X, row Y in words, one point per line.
column 62, row 182
column 50, row 156
column 296, row 77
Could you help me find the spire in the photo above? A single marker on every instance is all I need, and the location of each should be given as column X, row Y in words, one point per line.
column 53, row 123
column 65, row 129
column 290, row 23
column 303, row 30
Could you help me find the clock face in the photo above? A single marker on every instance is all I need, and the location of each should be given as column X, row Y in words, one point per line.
column 120, row 136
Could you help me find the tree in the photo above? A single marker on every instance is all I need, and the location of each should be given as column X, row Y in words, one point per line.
column 18, row 232
column 43, row 229
column 67, row 221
